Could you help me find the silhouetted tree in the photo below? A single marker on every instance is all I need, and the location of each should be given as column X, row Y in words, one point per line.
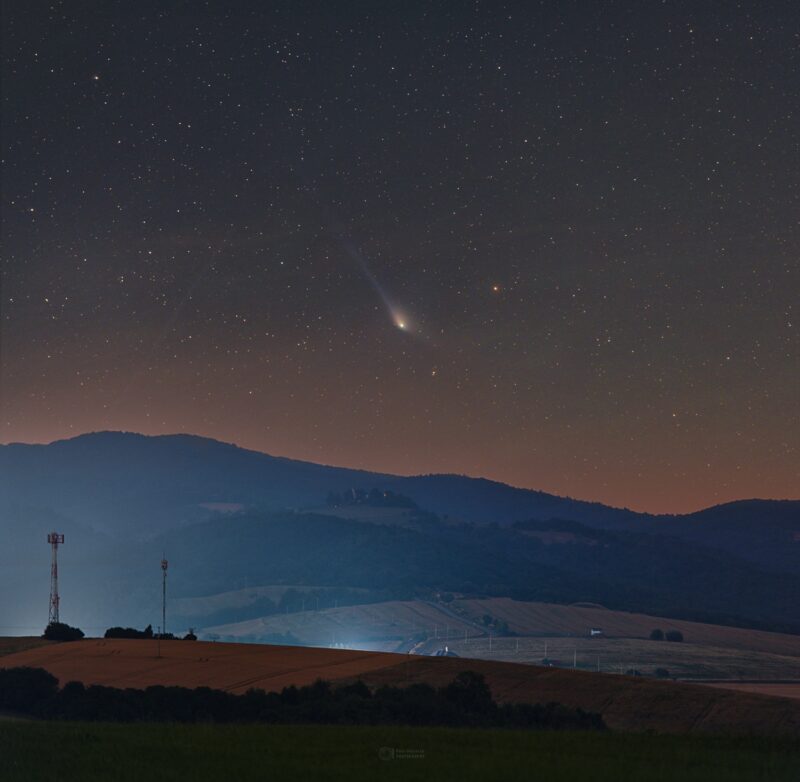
column 466, row 701
column 657, row 635
column 26, row 689
column 469, row 691
column 129, row 632
column 58, row 631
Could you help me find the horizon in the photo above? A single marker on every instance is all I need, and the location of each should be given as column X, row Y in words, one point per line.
column 408, row 474
column 516, row 244
column 383, row 341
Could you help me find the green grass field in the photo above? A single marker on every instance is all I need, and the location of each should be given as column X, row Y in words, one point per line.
column 77, row 751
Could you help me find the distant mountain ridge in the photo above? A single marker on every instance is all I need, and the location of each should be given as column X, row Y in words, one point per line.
column 184, row 469
column 98, row 471
column 116, row 469
column 120, row 497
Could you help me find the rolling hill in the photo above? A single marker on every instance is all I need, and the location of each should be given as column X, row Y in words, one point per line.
column 530, row 632
column 121, row 482
column 626, row 703
column 125, row 481
column 549, row 619
column 228, row 518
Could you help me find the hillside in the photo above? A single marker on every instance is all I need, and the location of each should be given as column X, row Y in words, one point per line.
column 344, row 561
column 548, row 619
column 113, row 482
column 229, row 519
column 120, row 480
column 530, row 633
column 14, row 644
column 622, row 570
column 385, row 626
column 626, row 703
column 762, row 531
column 397, row 622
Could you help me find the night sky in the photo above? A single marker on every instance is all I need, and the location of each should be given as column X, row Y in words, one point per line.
column 550, row 243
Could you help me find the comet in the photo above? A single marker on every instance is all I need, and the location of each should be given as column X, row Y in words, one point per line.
column 397, row 316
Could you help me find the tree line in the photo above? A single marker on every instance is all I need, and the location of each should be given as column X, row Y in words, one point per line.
column 464, row 702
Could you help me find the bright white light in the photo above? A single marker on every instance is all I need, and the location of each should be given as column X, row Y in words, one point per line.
column 400, row 319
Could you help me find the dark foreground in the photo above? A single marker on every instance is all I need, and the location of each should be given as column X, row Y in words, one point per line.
column 81, row 751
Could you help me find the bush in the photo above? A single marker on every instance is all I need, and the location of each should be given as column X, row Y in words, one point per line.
column 129, row 632
column 657, row 635
column 674, row 635
column 58, row 631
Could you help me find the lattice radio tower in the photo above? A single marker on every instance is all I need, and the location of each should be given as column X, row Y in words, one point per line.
column 55, row 539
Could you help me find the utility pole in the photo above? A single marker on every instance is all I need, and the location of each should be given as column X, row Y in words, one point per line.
column 54, row 539
column 164, row 565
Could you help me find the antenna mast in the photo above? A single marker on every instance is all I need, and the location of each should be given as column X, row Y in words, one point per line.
column 54, row 539
column 164, row 565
